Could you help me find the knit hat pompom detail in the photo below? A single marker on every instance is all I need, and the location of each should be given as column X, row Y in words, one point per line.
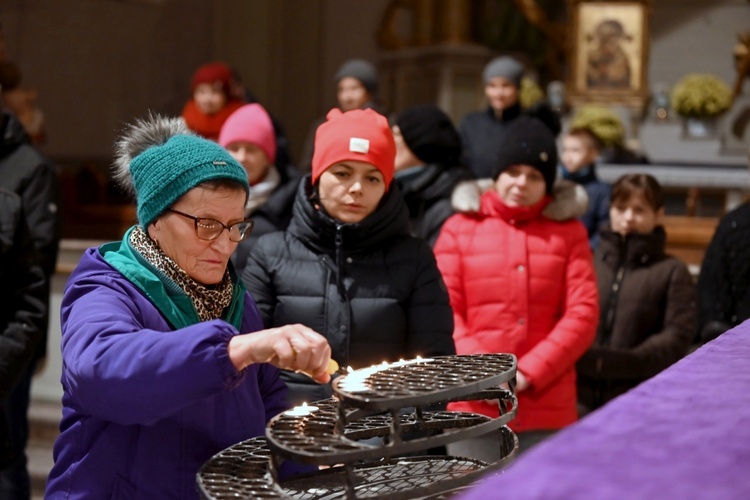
column 158, row 160
column 252, row 124
column 357, row 135
column 530, row 142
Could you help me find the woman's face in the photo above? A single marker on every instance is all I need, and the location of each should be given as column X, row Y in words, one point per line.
column 252, row 158
column 351, row 94
column 209, row 98
column 501, row 93
column 521, row 186
column 351, row 190
column 204, row 261
column 634, row 215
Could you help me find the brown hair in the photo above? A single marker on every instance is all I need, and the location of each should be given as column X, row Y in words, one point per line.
column 587, row 135
column 630, row 184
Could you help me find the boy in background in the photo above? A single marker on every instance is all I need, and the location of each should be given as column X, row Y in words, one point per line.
column 580, row 150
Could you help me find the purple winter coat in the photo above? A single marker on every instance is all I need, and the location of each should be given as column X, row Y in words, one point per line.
column 144, row 405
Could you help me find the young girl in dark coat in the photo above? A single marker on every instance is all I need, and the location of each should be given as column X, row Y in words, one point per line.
column 347, row 265
column 647, row 298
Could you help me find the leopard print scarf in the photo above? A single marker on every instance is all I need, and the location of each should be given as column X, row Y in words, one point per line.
column 209, row 302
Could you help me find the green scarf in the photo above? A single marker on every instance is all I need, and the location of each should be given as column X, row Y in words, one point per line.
column 168, row 297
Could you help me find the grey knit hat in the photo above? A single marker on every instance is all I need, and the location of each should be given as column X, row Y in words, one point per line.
column 505, row 67
column 362, row 70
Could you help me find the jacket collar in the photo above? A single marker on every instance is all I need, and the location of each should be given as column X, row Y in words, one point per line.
column 314, row 227
column 13, row 134
column 509, row 113
column 634, row 248
column 568, row 200
column 583, row 176
column 493, row 205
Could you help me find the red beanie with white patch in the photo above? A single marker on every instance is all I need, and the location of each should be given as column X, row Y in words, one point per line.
column 358, row 135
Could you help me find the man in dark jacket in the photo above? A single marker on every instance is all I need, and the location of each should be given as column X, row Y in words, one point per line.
column 483, row 132
column 428, row 149
column 27, row 173
column 22, row 313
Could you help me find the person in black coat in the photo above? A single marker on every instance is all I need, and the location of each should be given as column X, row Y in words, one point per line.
column 248, row 135
column 483, row 132
column 27, row 173
column 347, row 266
column 22, row 315
column 428, row 149
column 724, row 281
column 646, row 297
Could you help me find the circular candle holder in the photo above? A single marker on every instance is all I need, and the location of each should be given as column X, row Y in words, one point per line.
column 368, row 434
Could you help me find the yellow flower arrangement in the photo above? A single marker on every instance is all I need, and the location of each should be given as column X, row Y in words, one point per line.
column 529, row 93
column 602, row 121
column 700, row 95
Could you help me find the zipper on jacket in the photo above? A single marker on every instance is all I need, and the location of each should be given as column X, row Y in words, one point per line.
column 339, row 243
column 614, row 296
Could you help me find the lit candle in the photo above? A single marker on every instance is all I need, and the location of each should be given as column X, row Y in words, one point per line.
column 355, row 380
column 301, row 411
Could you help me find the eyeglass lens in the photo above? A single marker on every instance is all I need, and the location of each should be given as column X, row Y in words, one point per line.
column 209, row 229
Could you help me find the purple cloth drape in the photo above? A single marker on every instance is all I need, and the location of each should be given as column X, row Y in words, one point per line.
column 683, row 434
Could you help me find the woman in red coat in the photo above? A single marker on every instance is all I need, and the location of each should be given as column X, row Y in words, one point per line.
column 521, row 280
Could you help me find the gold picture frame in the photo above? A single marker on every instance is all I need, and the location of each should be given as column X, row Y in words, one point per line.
column 608, row 57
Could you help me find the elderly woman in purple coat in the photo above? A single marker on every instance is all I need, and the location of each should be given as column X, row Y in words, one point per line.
column 160, row 368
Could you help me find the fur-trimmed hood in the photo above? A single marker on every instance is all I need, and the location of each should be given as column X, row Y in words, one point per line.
column 569, row 200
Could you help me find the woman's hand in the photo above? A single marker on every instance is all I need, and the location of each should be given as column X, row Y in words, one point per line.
column 290, row 347
column 522, row 383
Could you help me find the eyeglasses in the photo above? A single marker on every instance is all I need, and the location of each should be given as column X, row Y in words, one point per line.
column 210, row 229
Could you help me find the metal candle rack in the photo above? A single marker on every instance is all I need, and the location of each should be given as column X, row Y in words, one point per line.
column 370, row 432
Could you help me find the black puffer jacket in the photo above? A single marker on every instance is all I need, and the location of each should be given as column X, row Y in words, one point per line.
column 274, row 215
column 647, row 315
column 427, row 194
column 370, row 288
column 23, row 309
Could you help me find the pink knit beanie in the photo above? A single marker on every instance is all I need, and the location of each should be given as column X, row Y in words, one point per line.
column 250, row 123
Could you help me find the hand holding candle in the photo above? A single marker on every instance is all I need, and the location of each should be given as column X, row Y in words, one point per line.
column 291, row 347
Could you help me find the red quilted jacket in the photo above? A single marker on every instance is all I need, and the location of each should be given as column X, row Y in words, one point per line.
column 522, row 283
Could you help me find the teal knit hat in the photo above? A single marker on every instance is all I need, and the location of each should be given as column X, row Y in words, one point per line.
column 164, row 161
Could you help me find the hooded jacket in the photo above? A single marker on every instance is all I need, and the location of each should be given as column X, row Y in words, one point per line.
column 647, row 320
column 145, row 405
column 522, row 282
column 370, row 288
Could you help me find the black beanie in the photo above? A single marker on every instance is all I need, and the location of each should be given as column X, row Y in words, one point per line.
column 430, row 134
column 530, row 142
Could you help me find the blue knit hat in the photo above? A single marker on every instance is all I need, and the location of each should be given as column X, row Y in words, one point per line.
column 164, row 161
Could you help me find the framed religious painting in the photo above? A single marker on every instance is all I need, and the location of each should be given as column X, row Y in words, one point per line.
column 608, row 57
